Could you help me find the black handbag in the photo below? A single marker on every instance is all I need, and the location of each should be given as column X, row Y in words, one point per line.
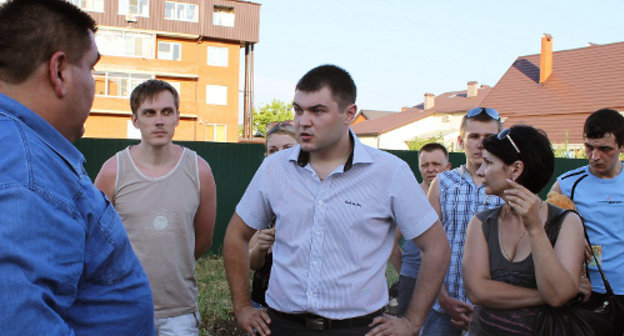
column 597, row 317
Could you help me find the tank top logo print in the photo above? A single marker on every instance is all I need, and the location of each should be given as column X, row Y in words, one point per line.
column 160, row 223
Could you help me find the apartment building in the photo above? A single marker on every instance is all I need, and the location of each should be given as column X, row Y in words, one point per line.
column 193, row 44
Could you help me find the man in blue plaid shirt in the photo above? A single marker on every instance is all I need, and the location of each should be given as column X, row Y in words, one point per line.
column 457, row 195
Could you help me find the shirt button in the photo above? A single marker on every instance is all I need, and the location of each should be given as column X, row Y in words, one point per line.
column 320, row 202
column 315, row 263
column 317, row 232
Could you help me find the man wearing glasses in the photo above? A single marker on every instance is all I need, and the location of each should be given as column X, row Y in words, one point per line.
column 457, row 195
column 337, row 204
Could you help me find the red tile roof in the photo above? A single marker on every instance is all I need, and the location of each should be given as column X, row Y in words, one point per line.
column 374, row 114
column 449, row 102
column 583, row 80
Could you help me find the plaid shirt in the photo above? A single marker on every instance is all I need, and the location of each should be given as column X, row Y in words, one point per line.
column 460, row 199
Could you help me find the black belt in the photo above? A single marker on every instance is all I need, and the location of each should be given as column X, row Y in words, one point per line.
column 315, row 322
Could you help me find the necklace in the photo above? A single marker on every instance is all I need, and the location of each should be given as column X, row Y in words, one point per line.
column 500, row 235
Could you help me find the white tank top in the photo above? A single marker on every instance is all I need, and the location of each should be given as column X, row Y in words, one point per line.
column 158, row 214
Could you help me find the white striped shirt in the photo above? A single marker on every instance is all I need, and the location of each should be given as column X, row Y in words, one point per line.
column 333, row 237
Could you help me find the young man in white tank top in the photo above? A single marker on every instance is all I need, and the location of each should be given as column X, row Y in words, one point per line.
column 166, row 197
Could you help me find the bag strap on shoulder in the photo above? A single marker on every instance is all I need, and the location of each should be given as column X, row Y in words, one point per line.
column 553, row 232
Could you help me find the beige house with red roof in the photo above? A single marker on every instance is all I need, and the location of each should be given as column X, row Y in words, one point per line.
column 556, row 91
column 436, row 116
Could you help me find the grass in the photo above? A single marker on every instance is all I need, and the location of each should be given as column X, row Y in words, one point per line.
column 214, row 301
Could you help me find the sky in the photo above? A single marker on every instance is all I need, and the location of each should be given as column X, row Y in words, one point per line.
column 398, row 50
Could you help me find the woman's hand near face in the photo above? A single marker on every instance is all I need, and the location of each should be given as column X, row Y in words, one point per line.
column 557, row 268
column 526, row 204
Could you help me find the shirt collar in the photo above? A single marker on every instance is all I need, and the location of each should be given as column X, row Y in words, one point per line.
column 465, row 176
column 358, row 154
column 48, row 134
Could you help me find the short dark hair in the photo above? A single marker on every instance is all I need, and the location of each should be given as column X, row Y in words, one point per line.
column 603, row 122
column 482, row 117
column 31, row 31
column 148, row 90
column 433, row 146
column 535, row 152
column 337, row 79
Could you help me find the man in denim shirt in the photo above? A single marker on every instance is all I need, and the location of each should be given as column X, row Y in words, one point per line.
column 66, row 263
column 457, row 195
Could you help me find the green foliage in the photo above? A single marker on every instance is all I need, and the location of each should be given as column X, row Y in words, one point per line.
column 214, row 302
column 276, row 110
column 416, row 143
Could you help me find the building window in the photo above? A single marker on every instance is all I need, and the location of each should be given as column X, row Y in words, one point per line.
column 134, row 7
column 218, row 56
column 181, row 11
column 216, row 132
column 88, row 5
column 223, row 16
column 124, row 43
column 117, row 84
column 176, row 85
column 216, row 94
column 170, row 51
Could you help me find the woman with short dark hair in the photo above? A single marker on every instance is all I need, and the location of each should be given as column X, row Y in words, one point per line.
column 520, row 255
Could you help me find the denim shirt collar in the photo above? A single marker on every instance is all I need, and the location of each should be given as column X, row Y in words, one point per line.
column 465, row 177
column 48, row 134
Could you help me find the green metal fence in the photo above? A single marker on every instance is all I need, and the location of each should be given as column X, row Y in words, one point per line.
column 233, row 166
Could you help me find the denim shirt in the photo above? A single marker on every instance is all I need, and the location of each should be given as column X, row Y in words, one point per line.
column 460, row 199
column 66, row 263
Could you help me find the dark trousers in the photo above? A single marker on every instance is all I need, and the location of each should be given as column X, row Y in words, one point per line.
column 406, row 289
column 282, row 327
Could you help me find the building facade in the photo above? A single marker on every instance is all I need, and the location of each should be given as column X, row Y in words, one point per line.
column 193, row 44
column 437, row 118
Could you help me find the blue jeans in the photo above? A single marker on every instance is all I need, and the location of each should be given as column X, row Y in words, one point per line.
column 439, row 324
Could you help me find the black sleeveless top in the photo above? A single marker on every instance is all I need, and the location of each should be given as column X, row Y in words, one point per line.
column 518, row 321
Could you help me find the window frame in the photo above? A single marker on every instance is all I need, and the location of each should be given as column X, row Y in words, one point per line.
column 78, row 3
column 129, row 77
column 223, row 89
column 124, row 8
column 147, row 47
column 176, row 12
column 222, row 15
column 171, row 45
column 215, row 132
column 218, row 56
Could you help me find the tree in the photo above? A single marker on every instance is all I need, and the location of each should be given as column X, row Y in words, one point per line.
column 276, row 110
column 416, row 143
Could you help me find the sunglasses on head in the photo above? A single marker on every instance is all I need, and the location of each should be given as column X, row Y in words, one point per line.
column 277, row 125
column 492, row 113
column 505, row 134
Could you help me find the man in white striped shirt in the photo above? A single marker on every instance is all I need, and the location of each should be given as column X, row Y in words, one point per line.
column 336, row 204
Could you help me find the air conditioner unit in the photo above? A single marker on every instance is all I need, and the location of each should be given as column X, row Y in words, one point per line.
column 131, row 18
